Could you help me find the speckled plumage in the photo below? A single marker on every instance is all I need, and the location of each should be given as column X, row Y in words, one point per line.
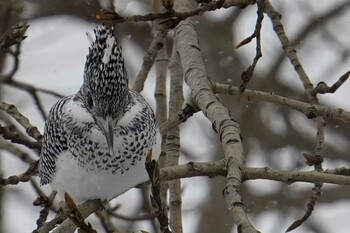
column 96, row 141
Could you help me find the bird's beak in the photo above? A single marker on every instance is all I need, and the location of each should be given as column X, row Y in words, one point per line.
column 107, row 126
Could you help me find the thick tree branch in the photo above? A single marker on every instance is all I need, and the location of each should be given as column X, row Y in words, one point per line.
column 228, row 129
column 173, row 141
column 161, row 65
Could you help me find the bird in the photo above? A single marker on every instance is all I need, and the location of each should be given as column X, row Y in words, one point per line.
column 97, row 140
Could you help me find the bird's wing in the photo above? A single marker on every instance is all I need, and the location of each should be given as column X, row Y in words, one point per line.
column 55, row 141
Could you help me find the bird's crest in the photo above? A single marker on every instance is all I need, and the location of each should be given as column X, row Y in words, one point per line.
column 105, row 77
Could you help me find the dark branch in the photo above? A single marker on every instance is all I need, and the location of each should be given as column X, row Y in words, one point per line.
column 24, row 177
column 323, row 88
column 113, row 17
column 16, row 138
column 247, row 75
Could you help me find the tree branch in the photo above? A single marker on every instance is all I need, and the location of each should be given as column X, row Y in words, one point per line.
column 212, row 169
column 14, row 137
column 173, row 141
column 228, row 129
column 148, row 59
column 310, row 110
column 22, row 120
column 113, row 17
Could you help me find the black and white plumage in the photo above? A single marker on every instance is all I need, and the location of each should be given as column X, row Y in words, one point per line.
column 96, row 141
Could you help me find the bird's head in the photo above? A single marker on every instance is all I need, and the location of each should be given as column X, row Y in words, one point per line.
column 105, row 90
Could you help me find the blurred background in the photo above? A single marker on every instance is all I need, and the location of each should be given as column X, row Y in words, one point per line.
column 53, row 57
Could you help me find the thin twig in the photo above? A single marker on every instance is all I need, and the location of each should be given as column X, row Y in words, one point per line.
column 311, row 95
column 131, row 218
column 50, row 92
column 106, row 222
column 16, row 151
column 291, row 53
column 247, row 74
column 15, row 54
column 46, row 202
column 32, row 91
column 323, row 88
column 148, row 60
column 152, row 168
column 317, row 22
column 181, row 117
